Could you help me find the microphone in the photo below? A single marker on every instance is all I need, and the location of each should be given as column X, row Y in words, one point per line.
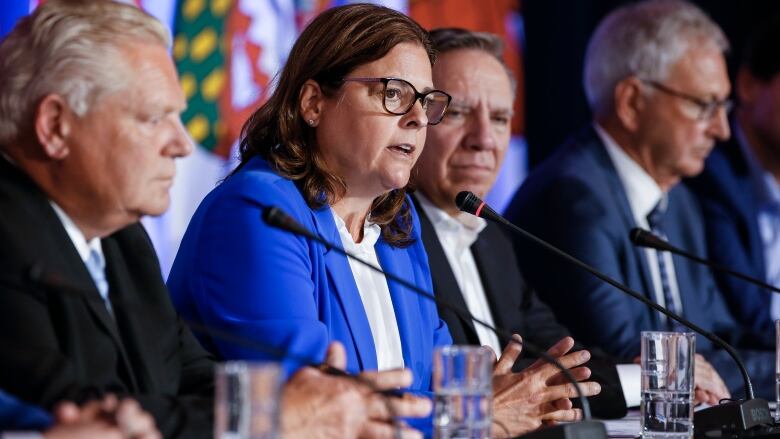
column 644, row 238
column 736, row 415
column 587, row 428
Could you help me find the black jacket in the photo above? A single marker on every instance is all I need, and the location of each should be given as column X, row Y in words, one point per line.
column 514, row 307
column 61, row 343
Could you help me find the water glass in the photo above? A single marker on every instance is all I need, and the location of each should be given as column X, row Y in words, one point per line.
column 463, row 392
column 777, row 370
column 246, row 403
column 667, row 384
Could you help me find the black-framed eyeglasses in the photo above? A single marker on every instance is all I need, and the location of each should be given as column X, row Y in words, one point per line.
column 399, row 96
column 707, row 108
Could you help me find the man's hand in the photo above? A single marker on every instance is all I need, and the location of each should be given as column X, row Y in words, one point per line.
column 317, row 405
column 710, row 388
column 108, row 418
column 539, row 394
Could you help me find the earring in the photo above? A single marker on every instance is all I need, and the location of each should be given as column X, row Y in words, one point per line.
column 311, row 122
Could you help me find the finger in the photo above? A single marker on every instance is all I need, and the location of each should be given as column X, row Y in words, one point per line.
column 381, row 430
column 563, row 346
column 568, row 361
column 336, row 356
column 509, row 356
column 700, row 396
column 66, row 412
column 705, row 397
column 383, row 408
column 91, row 410
column 589, row 388
column 563, row 404
column 560, row 348
column 133, row 421
column 579, row 374
column 387, row 379
column 109, row 403
column 572, row 415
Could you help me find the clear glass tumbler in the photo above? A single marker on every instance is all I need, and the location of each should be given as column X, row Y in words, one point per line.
column 463, row 389
column 246, row 403
column 667, row 384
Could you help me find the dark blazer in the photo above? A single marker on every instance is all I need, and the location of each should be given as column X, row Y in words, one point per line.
column 63, row 344
column 730, row 209
column 514, row 307
column 576, row 201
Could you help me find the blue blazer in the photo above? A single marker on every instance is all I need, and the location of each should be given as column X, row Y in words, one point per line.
column 576, row 201
column 17, row 416
column 728, row 201
column 235, row 273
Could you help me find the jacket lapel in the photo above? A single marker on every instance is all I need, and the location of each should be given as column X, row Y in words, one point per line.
column 345, row 290
column 624, row 208
column 444, row 283
column 75, row 272
column 126, row 315
column 494, row 268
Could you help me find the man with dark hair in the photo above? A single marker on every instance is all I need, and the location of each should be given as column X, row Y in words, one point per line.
column 739, row 190
column 472, row 262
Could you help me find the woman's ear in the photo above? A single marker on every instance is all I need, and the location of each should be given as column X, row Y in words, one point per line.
column 310, row 102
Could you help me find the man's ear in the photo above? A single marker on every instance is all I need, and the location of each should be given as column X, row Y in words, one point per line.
column 629, row 102
column 53, row 122
column 311, row 101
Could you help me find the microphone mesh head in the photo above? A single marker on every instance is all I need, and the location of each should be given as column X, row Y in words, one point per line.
column 467, row 202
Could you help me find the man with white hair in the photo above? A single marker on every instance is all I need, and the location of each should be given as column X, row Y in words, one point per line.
column 657, row 84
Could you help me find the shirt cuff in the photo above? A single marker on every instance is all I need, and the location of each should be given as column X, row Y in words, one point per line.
column 630, row 376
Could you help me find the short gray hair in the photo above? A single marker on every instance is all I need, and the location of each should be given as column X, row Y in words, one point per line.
column 71, row 48
column 452, row 38
column 644, row 39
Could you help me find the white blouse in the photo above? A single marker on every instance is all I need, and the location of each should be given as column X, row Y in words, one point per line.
column 375, row 294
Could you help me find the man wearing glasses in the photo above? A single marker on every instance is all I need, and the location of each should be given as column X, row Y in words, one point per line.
column 657, row 85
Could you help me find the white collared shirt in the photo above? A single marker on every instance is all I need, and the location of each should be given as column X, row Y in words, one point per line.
column 83, row 247
column 456, row 235
column 374, row 293
column 643, row 195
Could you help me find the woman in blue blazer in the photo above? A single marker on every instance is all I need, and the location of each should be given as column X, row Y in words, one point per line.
column 333, row 147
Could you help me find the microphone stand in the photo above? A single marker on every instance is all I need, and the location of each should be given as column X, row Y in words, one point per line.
column 585, row 429
column 734, row 416
column 716, row 415
column 644, row 238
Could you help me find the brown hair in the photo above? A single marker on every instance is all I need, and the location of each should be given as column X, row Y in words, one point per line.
column 448, row 39
column 335, row 43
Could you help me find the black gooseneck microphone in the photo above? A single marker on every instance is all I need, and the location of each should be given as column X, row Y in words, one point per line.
column 644, row 238
column 731, row 416
column 586, row 429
